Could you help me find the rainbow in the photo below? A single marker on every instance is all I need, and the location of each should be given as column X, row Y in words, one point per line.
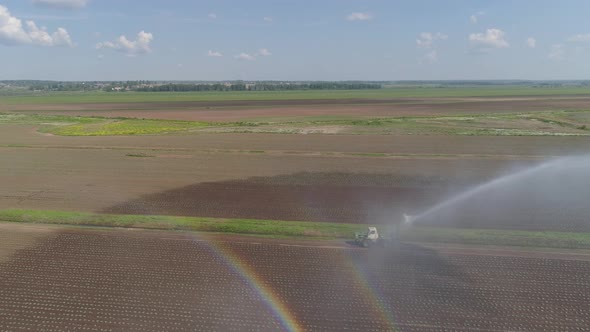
column 380, row 306
column 255, row 282
column 278, row 307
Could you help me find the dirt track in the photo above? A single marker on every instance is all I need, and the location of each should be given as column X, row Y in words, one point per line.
column 75, row 279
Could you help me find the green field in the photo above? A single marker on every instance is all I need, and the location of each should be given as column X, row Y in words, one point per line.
column 300, row 229
column 120, row 127
column 398, row 92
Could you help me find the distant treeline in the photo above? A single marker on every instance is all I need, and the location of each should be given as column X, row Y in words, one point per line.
column 59, row 86
column 257, row 87
column 479, row 83
column 33, row 86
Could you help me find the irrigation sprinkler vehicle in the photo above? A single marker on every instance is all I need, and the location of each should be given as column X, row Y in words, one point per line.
column 370, row 238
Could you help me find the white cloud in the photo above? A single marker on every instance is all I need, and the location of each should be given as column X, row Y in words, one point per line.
column 263, row 52
column 430, row 57
column 245, row 56
column 132, row 48
column 557, row 53
column 267, row 19
column 55, row 17
column 250, row 57
column 62, row 4
column 475, row 17
column 359, row 17
column 492, row 38
column 12, row 32
column 426, row 39
column 212, row 16
column 214, row 53
column 531, row 42
column 580, row 38
column 59, row 38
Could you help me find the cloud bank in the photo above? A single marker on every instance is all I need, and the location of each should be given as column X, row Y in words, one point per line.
column 62, row 4
column 13, row 32
column 130, row 47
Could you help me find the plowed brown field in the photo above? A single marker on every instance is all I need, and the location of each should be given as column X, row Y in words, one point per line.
column 290, row 177
column 75, row 279
column 240, row 110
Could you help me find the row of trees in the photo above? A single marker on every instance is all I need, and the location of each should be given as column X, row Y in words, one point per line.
column 258, row 87
column 192, row 87
column 53, row 86
column 315, row 86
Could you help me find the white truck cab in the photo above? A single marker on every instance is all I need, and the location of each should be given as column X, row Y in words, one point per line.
column 372, row 234
column 370, row 238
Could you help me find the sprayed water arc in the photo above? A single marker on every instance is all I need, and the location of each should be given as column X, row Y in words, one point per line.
column 576, row 170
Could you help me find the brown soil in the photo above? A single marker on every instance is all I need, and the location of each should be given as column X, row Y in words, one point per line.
column 525, row 146
column 101, row 179
column 244, row 199
column 15, row 237
column 296, row 177
column 369, row 199
column 156, row 281
column 243, row 110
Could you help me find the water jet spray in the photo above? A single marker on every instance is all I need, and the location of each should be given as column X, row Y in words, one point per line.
column 553, row 190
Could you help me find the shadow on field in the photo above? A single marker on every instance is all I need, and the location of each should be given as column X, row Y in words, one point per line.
column 306, row 196
column 556, row 203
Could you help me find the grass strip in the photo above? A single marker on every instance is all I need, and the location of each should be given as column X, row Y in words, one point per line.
column 301, row 229
column 238, row 226
column 541, row 239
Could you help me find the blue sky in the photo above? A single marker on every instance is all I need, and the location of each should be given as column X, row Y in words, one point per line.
column 293, row 39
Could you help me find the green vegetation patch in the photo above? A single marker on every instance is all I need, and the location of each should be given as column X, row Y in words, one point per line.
column 550, row 123
column 239, row 226
column 369, row 154
column 499, row 237
column 64, row 125
column 302, row 229
column 386, row 93
column 139, row 155
column 125, row 127
column 52, row 120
